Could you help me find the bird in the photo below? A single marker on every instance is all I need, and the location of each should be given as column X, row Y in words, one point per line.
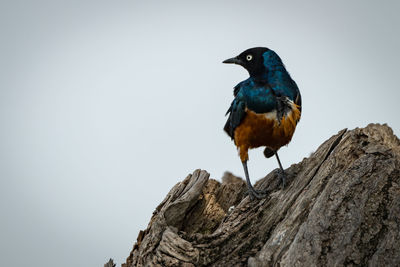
column 265, row 110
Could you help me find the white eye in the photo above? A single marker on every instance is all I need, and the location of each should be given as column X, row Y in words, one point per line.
column 249, row 57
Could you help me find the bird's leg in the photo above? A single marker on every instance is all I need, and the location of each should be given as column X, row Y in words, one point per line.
column 282, row 172
column 252, row 192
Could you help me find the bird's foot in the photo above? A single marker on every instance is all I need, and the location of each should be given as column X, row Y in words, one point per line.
column 281, row 172
column 256, row 194
column 282, row 176
column 253, row 194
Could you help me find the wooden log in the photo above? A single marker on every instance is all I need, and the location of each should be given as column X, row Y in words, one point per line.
column 340, row 207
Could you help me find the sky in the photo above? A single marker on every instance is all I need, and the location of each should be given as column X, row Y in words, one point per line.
column 105, row 105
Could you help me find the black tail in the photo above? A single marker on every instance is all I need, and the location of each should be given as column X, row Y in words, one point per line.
column 228, row 127
column 268, row 152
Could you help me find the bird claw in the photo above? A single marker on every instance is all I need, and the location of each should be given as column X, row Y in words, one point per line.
column 282, row 176
column 253, row 194
column 257, row 194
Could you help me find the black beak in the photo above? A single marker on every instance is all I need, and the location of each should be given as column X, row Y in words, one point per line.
column 234, row 60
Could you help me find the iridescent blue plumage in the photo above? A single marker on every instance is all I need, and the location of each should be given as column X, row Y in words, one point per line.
column 278, row 77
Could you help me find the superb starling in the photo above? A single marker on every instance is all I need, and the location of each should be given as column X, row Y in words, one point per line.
column 266, row 108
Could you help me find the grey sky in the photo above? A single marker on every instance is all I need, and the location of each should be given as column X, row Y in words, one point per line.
column 105, row 105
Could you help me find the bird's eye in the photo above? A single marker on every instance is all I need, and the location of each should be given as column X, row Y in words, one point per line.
column 249, row 57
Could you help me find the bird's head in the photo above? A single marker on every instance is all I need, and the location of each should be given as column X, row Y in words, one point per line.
column 256, row 60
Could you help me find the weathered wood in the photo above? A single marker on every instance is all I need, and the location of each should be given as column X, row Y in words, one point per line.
column 341, row 206
column 110, row 263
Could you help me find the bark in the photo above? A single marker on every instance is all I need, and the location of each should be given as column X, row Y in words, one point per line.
column 341, row 206
column 110, row 263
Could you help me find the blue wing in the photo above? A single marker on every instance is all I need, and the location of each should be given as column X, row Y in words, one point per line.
column 257, row 98
column 284, row 86
column 236, row 112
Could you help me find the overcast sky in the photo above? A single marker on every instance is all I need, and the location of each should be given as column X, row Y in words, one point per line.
column 105, row 105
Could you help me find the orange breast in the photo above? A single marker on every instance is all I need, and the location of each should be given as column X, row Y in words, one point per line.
column 264, row 130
